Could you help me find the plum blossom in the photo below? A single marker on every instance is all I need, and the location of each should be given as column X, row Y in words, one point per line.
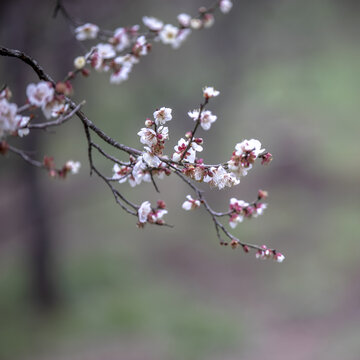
column 55, row 108
column 144, row 211
column 157, row 215
column 184, row 20
column 190, row 155
column 279, row 257
column 150, row 158
column 121, row 39
column 168, row 34
column 152, row 23
column 252, row 146
column 225, row 6
column 220, row 178
column 210, row 92
column 206, row 118
column 162, row 115
column 8, row 119
column 105, row 51
column 86, row 31
column 141, row 47
column 40, row 94
column 190, row 203
column 22, row 122
column 147, row 136
column 73, row 166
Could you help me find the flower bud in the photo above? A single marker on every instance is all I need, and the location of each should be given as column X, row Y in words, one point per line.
column 79, row 62
column 188, row 135
column 149, row 123
column 195, row 24
column 262, row 194
column 161, row 204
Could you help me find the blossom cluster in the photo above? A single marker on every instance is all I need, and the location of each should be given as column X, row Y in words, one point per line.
column 11, row 122
column 122, row 48
column 151, row 215
column 39, row 96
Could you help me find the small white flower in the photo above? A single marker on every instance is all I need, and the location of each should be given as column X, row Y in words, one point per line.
column 141, row 46
column 147, row 136
column 40, row 94
column 151, row 159
column 73, row 166
column 253, row 146
column 105, row 51
column 22, row 124
column 152, row 23
column 86, row 31
column 259, row 210
column 8, row 117
column 210, row 92
column 220, row 178
column 55, row 108
column 184, row 19
column 206, row 118
column 120, row 39
column 190, row 203
column 225, row 6
column 208, row 21
column 79, row 62
column 235, row 220
column 144, row 211
column 158, row 214
column 168, row 34
column 162, row 115
column 279, row 257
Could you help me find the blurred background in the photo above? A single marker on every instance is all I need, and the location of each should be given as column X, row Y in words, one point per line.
column 78, row 280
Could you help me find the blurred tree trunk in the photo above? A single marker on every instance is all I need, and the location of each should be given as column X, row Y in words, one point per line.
column 39, row 242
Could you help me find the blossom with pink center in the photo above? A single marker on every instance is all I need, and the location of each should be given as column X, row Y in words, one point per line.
column 55, row 108
column 40, row 94
column 190, row 203
column 162, row 115
column 147, row 136
column 152, row 23
column 121, row 39
column 150, row 158
column 144, row 211
column 279, row 257
column 86, row 31
column 141, row 46
column 252, row 146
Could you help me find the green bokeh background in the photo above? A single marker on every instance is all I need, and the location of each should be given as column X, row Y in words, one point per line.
column 288, row 72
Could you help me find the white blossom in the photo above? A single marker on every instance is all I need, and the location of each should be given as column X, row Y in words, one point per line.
column 253, row 146
column 220, row 178
column 151, row 159
column 152, row 23
column 162, row 115
column 22, row 122
column 190, row 203
column 210, row 92
column 225, row 6
column 206, row 118
column 184, row 19
column 168, row 34
column 141, row 46
column 8, row 121
column 279, row 257
column 144, row 211
column 73, row 166
column 40, row 94
column 86, row 31
column 120, row 39
column 105, row 51
column 158, row 214
column 147, row 136
column 55, row 108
